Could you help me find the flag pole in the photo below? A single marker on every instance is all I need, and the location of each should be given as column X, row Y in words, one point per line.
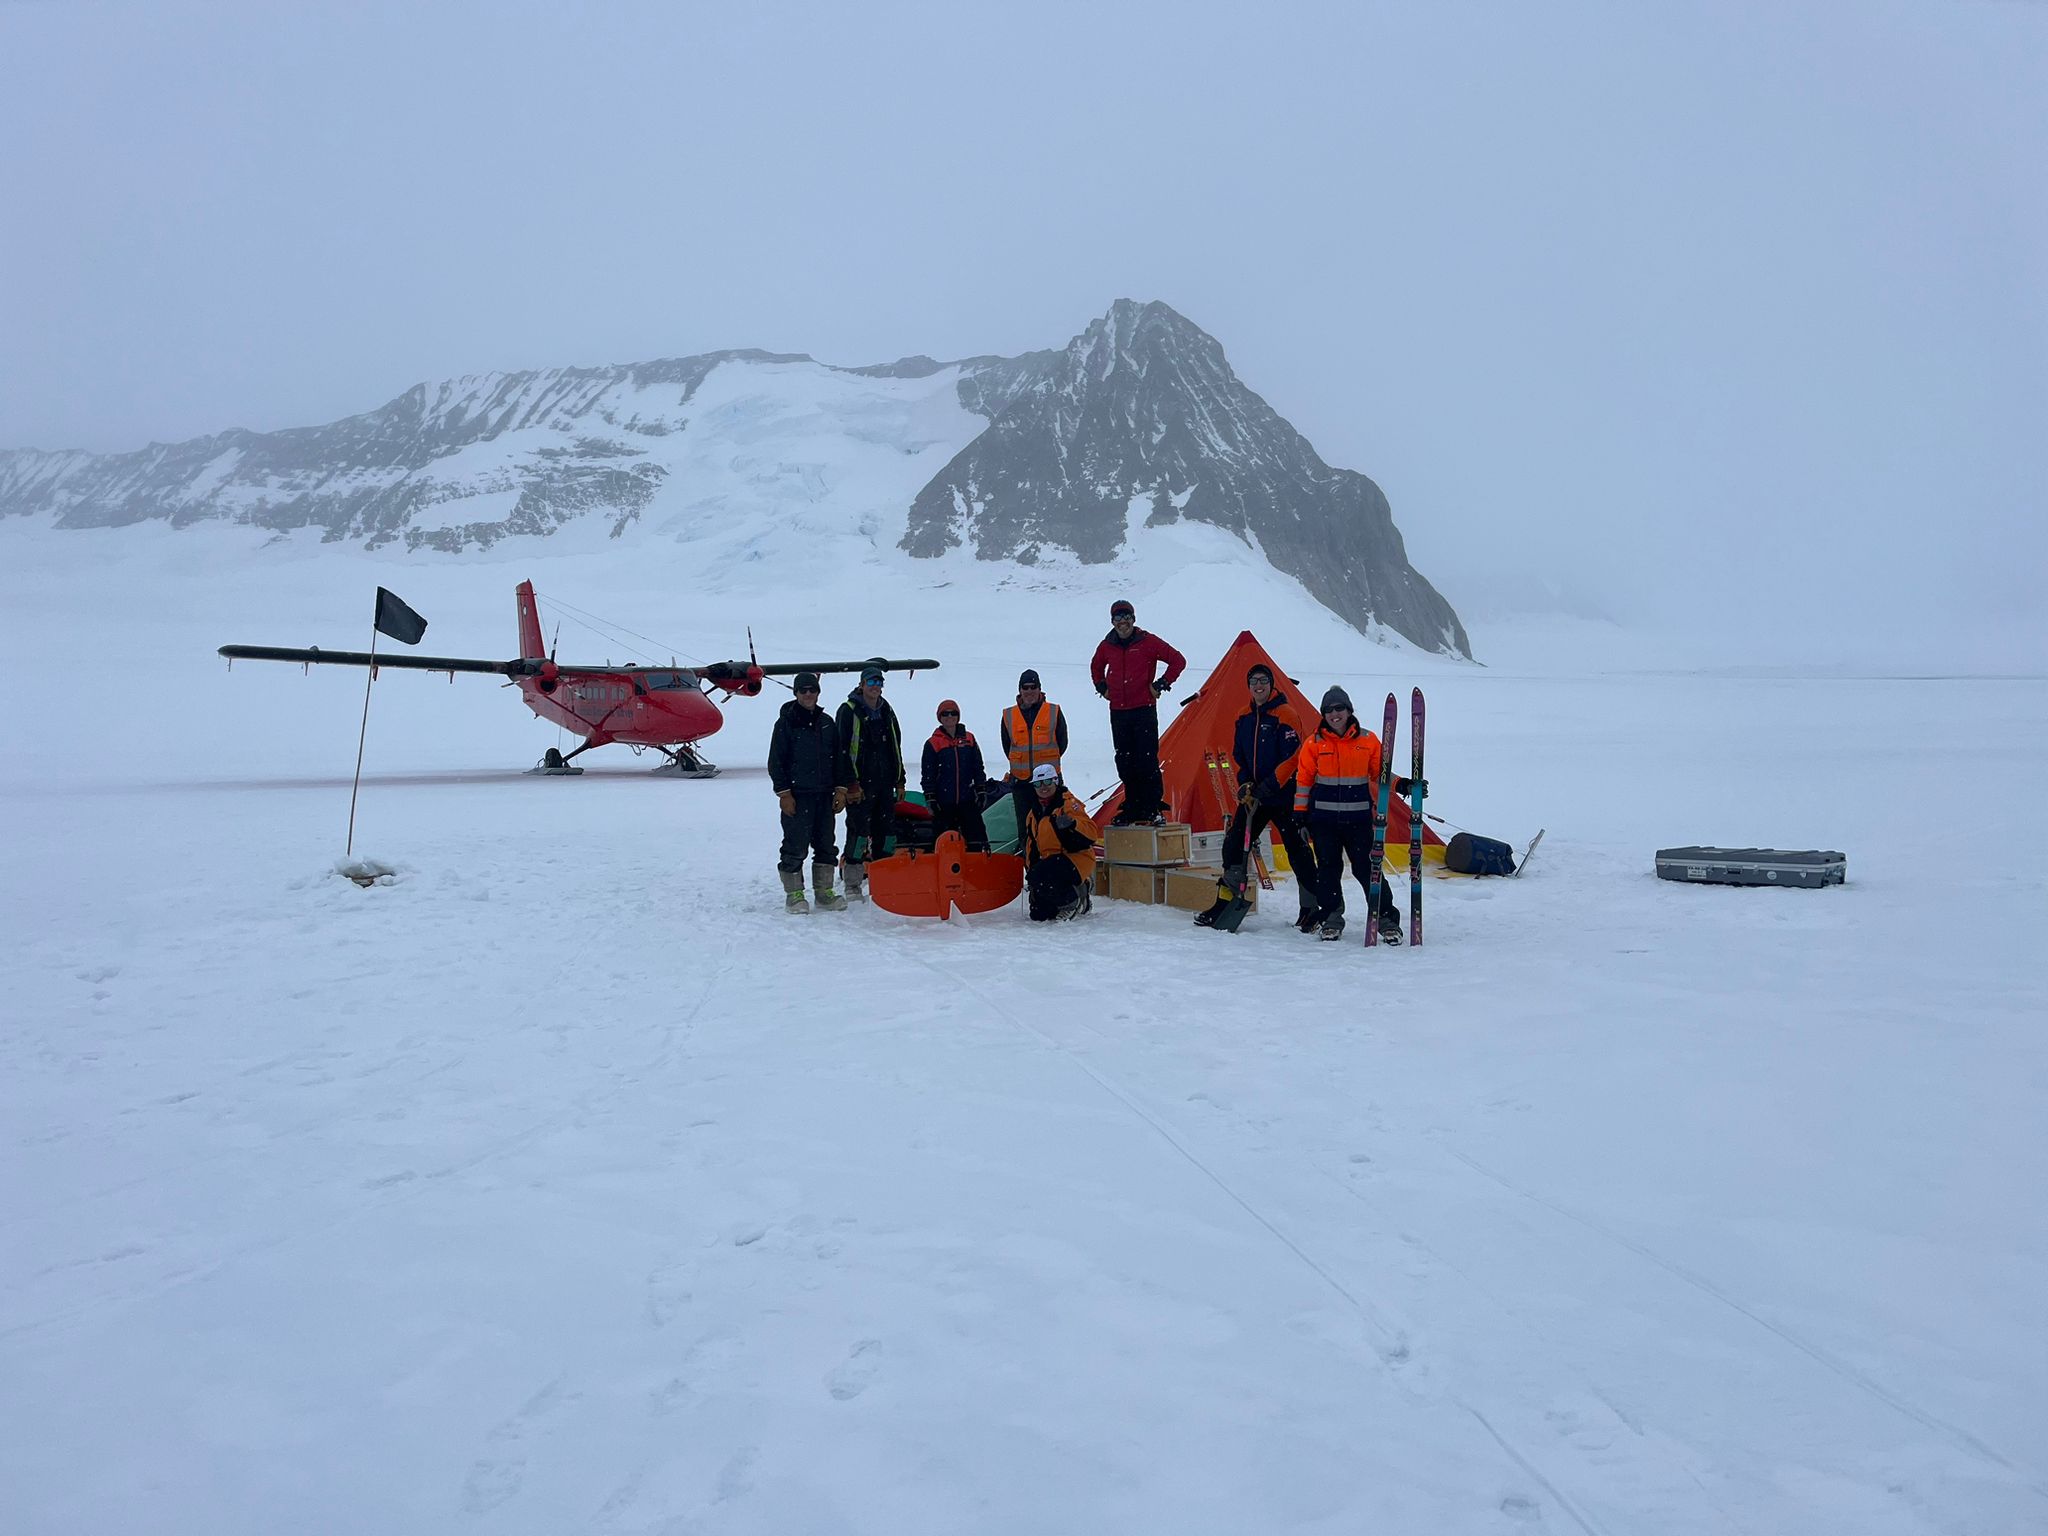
column 361, row 736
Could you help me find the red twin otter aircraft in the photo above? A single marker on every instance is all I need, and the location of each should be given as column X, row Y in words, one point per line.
column 666, row 708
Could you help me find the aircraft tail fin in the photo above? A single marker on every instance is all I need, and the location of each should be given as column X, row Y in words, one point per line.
column 530, row 642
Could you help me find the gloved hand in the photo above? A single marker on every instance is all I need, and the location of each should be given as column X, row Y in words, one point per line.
column 1102, row 689
column 838, row 799
column 1063, row 822
column 786, row 798
column 1415, row 785
column 1245, row 795
column 1160, row 687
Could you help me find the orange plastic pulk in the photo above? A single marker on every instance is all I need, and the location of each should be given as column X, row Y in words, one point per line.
column 914, row 883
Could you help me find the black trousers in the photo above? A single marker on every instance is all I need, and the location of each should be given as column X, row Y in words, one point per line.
column 1053, row 883
column 964, row 819
column 1237, row 848
column 810, row 829
column 1135, row 734
column 870, row 822
column 1337, row 838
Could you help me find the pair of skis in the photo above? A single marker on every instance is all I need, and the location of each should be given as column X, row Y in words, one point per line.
column 1376, row 862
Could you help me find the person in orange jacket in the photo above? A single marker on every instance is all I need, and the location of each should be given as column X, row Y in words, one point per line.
column 1336, row 787
column 1059, row 849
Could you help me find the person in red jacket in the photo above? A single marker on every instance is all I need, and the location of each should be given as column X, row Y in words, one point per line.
column 1336, row 789
column 1124, row 671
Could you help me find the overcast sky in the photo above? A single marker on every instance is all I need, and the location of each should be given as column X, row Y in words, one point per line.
column 1616, row 301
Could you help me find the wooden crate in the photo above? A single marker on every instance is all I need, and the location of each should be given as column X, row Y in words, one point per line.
column 1194, row 890
column 1156, row 846
column 1206, row 848
column 1136, row 882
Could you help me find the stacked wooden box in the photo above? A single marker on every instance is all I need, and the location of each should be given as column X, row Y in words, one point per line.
column 1152, row 865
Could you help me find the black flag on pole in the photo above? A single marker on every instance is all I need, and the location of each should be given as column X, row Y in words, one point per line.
column 397, row 620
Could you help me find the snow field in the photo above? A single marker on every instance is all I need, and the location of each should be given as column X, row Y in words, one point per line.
column 568, row 1185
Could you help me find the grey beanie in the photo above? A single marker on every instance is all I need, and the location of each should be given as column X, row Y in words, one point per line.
column 1336, row 698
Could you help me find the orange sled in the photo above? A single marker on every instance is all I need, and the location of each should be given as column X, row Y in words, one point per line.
column 914, row 883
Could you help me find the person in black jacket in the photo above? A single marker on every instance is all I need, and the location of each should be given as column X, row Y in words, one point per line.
column 952, row 777
column 871, row 767
column 1264, row 746
column 805, row 766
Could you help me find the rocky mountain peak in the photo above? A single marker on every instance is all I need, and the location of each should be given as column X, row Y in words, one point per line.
column 1136, row 421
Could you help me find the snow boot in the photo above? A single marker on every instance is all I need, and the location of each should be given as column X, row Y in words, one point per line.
column 793, row 890
column 856, row 872
column 829, row 900
column 1332, row 927
column 1078, row 907
column 1390, row 933
column 1310, row 920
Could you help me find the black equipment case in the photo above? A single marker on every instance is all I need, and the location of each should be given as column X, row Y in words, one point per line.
column 1751, row 866
column 1469, row 854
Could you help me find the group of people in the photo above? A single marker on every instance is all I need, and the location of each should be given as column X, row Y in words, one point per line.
column 1318, row 795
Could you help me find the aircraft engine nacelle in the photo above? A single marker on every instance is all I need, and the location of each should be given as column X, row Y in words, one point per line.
column 733, row 677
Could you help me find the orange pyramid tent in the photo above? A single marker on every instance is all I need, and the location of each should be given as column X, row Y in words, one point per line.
column 1207, row 723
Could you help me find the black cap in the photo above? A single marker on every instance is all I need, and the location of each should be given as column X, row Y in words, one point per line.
column 1336, row 698
column 806, row 682
column 1259, row 669
column 872, row 677
column 1028, row 678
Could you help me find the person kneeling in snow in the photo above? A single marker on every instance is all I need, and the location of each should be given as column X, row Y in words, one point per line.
column 1059, row 849
column 952, row 777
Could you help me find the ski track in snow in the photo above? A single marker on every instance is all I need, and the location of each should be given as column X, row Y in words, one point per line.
column 567, row 1185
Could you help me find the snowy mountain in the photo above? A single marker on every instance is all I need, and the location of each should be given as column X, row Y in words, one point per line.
column 748, row 456
column 1141, row 418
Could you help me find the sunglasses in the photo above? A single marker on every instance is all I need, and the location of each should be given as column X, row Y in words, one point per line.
column 949, row 714
column 802, row 691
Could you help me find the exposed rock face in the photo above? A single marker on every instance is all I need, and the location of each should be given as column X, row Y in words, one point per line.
column 1139, row 417
column 1142, row 408
column 382, row 475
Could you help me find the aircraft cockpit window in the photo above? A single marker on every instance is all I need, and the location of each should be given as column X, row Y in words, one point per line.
column 658, row 680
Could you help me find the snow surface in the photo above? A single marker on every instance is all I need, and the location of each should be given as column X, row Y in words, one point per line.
column 566, row 1185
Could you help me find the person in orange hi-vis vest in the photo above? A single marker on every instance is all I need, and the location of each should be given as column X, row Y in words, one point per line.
column 1336, row 782
column 1034, row 732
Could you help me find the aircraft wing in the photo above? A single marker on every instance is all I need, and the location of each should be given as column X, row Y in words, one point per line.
column 717, row 671
column 528, row 667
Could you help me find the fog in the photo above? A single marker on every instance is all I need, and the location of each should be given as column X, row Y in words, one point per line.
column 1731, row 316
